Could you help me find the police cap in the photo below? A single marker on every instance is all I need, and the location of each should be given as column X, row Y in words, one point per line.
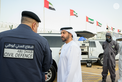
column 31, row 15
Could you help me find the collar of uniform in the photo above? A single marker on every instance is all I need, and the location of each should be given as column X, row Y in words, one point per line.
column 24, row 26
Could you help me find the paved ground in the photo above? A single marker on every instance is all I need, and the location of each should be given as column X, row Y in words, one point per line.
column 93, row 74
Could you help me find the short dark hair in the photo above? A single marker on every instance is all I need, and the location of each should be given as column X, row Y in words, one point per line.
column 26, row 20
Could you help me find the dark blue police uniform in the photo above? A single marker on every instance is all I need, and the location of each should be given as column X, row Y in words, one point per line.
column 24, row 55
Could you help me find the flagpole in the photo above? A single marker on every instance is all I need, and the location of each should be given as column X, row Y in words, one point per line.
column 0, row 9
column 86, row 26
column 69, row 21
column 108, row 27
column 96, row 27
column 43, row 20
column 86, row 23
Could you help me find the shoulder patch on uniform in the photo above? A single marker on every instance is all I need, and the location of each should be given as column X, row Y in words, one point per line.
column 18, row 50
column 113, row 46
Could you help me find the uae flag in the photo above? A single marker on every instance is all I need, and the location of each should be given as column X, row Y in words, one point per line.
column 89, row 20
column 119, row 30
column 98, row 24
column 107, row 28
column 112, row 28
column 48, row 5
column 73, row 13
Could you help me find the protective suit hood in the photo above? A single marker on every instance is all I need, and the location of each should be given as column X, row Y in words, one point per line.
column 108, row 34
column 108, row 39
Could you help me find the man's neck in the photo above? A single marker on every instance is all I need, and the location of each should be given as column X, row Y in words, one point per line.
column 28, row 24
column 68, row 41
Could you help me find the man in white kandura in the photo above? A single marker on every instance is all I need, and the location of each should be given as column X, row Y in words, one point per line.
column 69, row 67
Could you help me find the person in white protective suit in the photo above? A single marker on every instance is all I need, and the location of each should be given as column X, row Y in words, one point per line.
column 120, row 63
column 69, row 66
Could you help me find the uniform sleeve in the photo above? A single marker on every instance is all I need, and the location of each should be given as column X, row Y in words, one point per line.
column 117, row 48
column 47, row 62
column 73, row 64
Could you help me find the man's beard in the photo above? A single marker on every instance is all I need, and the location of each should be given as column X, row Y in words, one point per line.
column 65, row 39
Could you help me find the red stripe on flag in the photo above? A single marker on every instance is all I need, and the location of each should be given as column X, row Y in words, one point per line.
column 118, row 30
column 86, row 19
column 97, row 23
column 111, row 28
column 46, row 4
column 71, row 12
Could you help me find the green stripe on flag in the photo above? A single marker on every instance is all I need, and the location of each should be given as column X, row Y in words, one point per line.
column 75, row 14
column 50, row 3
column 91, row 19
column 51, row 6
column 100, row 24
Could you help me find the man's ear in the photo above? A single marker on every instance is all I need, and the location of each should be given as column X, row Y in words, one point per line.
column 33, row 26
column 71, row 35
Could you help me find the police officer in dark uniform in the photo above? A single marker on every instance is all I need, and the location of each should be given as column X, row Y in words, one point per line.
column 25, row 56
column 111, row 49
